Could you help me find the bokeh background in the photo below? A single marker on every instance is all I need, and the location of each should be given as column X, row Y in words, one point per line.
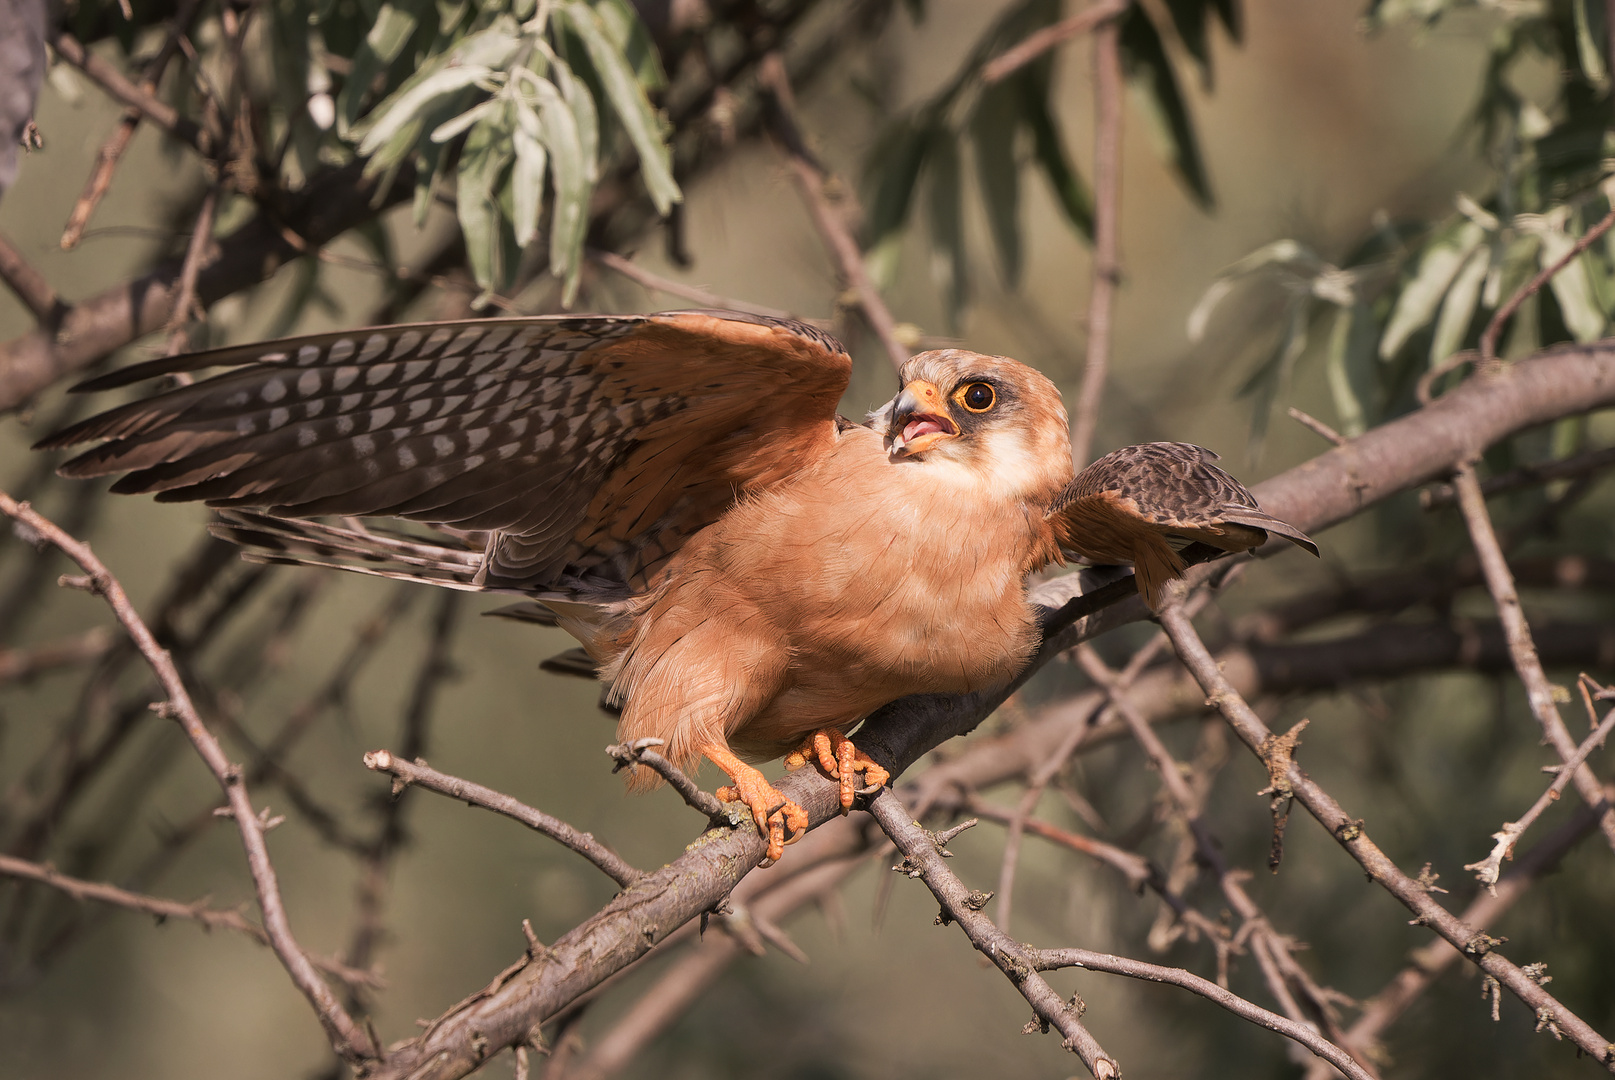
column 1316, row 126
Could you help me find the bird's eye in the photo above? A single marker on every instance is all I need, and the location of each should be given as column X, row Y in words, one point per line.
column 977, row 397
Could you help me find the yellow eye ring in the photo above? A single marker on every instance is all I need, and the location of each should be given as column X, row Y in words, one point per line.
column 978, row 397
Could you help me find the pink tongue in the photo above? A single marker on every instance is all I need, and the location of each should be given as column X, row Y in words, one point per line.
column 915, row 428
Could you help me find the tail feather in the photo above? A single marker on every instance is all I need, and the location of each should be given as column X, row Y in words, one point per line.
column 1259, row 519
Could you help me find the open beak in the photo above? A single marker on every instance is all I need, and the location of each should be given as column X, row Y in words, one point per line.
column 919, row 420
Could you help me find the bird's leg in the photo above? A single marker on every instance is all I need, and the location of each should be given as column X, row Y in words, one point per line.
column 773, row 812
column 834, row 753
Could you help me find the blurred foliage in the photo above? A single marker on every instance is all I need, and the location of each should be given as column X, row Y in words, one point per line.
column 1414, row 293
column 998, row 120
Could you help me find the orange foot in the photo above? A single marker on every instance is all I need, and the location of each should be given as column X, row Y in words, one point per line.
column 835, row 754
column 773, row 812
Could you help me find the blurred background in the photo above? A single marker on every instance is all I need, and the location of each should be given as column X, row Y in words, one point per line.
column 1355, row 133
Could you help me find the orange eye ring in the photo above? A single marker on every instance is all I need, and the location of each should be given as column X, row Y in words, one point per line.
column 978, row 397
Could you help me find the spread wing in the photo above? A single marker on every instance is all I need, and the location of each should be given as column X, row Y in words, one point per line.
column 587, row 448
column 1144, row 504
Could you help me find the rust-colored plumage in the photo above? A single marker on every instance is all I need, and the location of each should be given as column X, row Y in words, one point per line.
column 748, row 571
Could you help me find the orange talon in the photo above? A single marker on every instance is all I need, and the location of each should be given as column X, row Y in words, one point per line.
column 838, row 759
column 774, row 814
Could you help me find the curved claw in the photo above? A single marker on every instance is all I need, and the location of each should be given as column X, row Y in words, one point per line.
column 778, row 819
column 839, row 759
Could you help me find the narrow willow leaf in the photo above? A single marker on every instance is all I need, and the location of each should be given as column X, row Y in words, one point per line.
column 1571, row 288
column 628, row 34
column 993, row 126
column 527, row 185
column 1592, row 38
column 1049, row 148
column 483, row 160
column 408, row 105
column 1351, row 352
column 1458, row 308
column 569, row 179
column 895, row 170
column 1286, row 253
column 394, row 25
column 945, row 203
column 629, row 102
column 452, row 127
column 581, row 102
column 1155, row 88
column 1421, row 296
column 473, row 58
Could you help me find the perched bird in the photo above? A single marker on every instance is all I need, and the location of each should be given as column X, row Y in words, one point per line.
column 751, row 573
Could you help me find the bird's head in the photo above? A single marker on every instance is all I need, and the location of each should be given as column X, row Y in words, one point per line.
column 994, row 415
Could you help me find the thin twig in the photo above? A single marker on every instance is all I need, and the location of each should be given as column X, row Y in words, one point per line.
column 1570, row 468
column 1035, row 45
column 1486, row 356
column 18, row 665
column 1106, row 250
column 1313, row 424
column 116, row 84
column 1489, row 869
column 695, row 294
column 30, row 286
column 1431, row 959
column 347, row 1037
column 1538, row 690
column 1351, row 835
column 609, row 862
column 810, row 178
column 1052, row 959
column 923, row 857
column 200, row 912
column 185, row 305
column 642, row 752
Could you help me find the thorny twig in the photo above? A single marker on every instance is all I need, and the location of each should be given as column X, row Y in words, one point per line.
column 347, row 1037
column 1352, row 836
column 1489, row 869
column 923, row 856
column 1538, row 691
column 417, row 772
column 199, row 912
column 643, row 752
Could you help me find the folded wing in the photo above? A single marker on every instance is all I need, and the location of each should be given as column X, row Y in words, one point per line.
column 1144, row 504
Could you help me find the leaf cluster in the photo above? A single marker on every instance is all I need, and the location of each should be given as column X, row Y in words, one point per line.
column 1005, row 121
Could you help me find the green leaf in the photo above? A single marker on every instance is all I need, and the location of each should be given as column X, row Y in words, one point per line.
column 1272, row 379
column 1049, row 149
column 1286, row 253
column 945, row 203
column 1572, row 290
column 527, row 184
column 408, row 106
column 579, row 100
column 628, row 101
column 1458, row 308
column 993, row 125
column 895, row 169
column 627, row 32
column 569, row 179
column 474, row 58
column 1155, row 89
column 1592, row 38
column 395, row 23
column 1421, row 296
column 483, row 161
column 1348, row 367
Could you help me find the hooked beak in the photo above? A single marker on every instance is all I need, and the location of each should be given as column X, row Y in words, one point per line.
column 919, row 420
